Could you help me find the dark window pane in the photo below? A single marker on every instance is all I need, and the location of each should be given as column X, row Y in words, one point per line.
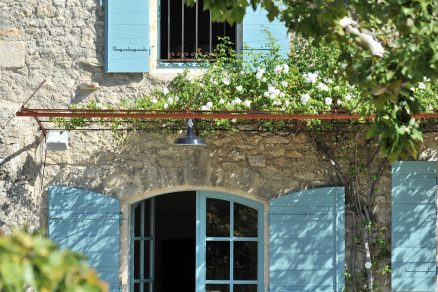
column 147, row 218
column 137, row 287
column 245, row 221
column 146, row 287
column 137, row 259
column 218, row 218
column 137, row 220
column 245, row 260
column 218, row 260
column 189, row 32
column 146, row 253
column 245, row 288
column 217, row 288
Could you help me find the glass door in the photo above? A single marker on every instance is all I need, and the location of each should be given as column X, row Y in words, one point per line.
column 231, row 247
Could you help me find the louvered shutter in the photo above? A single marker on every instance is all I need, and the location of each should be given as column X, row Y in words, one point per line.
column 413, row 256
column 253, row 37
column 307, row 241
column 127, row 36
column 87, row 222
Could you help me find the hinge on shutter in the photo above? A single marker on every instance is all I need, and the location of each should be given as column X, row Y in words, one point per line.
column 120, row 218
column 131, row 49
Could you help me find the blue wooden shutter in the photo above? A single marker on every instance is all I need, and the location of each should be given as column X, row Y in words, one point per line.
column 127, row 36
column 253, row 37
column 307, row 241
column 413, row 202
column 87, row 222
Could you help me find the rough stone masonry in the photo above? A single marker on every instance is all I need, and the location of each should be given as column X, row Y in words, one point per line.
column 62, row 42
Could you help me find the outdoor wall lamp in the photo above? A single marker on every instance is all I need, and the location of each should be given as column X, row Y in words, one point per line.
column 57, row 140
column 190, row 138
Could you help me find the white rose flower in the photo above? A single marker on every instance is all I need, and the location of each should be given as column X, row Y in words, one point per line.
column 284, row 83
column 165, row 91
column 311, row 77
column 170, row 100
column 282, row 94
column 286, row 68
column 305, row 98
column 347, row 97
column 176, row 98
column 221, row 101
column 239, row 88
column 264, row 79
column 421, row 85
column 236, row 101
column 165, row 106
column 209, row 105
column 338, row 102
column 266, row 94
column 247, row 103
column 260, row 72
column 323, row 87
column 154, row 100
column 226, row 81
column 286, row 103
column 278, row 69
column 234, row 120
column 271, row 88
column 204, row 108
column 276, row 102
column 328, row 101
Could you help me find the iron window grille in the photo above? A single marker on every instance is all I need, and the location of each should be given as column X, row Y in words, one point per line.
column 188, row 32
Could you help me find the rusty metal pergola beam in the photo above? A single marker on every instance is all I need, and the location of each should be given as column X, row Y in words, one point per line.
column 194, row 114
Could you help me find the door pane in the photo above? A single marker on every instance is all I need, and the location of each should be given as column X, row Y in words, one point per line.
column 217, row 288
column 218, row 260
column 147, row 218
column 245, row 260
column 245, row 288
column 245, row 221
column 137, row 259
column 137, row 287
column 146, row 254
column 137, row 220
column 218, row 218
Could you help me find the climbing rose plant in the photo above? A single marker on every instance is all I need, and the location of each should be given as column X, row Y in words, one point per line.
column 308, row 82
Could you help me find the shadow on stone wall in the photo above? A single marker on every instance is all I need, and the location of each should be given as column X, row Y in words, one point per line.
column 264, row 166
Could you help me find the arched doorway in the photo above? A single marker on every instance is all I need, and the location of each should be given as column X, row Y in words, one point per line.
column 197, row 241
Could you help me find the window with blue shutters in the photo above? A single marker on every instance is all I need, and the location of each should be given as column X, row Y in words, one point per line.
column 89, row 223
column 182, row 33
column 127, row 36
column 307, row 241
column 413, row 201
column 254, row 38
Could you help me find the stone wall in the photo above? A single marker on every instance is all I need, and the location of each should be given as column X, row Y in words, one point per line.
column 62, row 42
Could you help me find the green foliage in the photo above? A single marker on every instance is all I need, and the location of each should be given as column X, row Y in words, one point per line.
column 36, row 262
column 406, row 32
column 307, row 82
column 385, row 271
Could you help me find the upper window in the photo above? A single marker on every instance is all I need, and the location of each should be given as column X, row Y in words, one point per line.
column 186, row 31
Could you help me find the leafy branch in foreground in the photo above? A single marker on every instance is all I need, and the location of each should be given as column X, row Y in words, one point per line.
column 33, row 261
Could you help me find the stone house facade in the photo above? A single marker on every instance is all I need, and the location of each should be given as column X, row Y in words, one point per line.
column 63, row 42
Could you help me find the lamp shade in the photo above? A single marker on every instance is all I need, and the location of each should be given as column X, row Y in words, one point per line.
column 190, row 138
